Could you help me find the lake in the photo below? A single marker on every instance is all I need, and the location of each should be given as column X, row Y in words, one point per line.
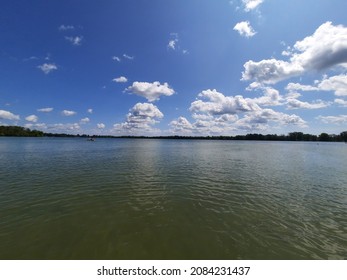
column 68, row 198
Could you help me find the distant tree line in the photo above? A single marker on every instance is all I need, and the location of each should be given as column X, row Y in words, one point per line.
column 19, row 131
column 292, row 136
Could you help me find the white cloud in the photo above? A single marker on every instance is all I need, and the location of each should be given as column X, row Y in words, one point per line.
column 47, row 67
column 327, row 47
column 181, row 125
column 271, row 97
column 150, row 91
column 270, row 71
column 6, row 115
column 120, row 79
column 296, row 86
column 216, row 113
column 84, row 120
column 64, row 127
column 140, row 118
column 258, row 120
column 31, row 58
column 76, row 41
column 56, row 128
column 68, row 113
column 32, row 118
column 292, row 95
column 125, row 56
column 297, row 104
column 340, row 119
column 337, row 84
column 66, row 27
column 215, row 103
column 341, row 102
column 128, row 56
column 204, row 124
column 172, row 44
column 45, row 110
column 245, row 29
column 251, row 4
column 40, row 126
column 90, row 111
column 101, row 126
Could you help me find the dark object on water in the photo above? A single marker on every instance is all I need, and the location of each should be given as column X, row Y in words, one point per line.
column 90, row 139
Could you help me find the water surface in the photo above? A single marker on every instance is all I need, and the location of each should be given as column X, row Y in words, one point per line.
column 64, row 198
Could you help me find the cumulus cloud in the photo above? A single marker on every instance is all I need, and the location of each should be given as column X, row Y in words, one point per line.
column 120, row 79
column 101, row 126
column 340, row 119
column 150, row 91
column 76, row 41
column 337, row 84
column 140, row 118
column 327, row 47
column 245, row 29
column 215, row 113
column 181, row 125
column 260, row 119
column 68, row 113
column 90, row 111
column 47, row 67
column 6, row 115
column 116, row 58
column 45, row 110
column 215, row 103
column 84, row 120
column 271, row 97
column 32, row 118
column 270, row 71
column 251, row 4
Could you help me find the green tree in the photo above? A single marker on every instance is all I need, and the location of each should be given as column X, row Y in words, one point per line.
column 343, row 136
column 324, row 137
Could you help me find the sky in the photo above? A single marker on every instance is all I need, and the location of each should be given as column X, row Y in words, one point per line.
column 174, row 67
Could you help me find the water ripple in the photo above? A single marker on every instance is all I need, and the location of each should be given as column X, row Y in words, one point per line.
column 65, row 199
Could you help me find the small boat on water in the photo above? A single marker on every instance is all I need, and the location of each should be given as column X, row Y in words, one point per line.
column 90, row 139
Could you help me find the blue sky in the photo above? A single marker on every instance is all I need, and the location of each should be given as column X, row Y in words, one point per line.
column 182, row 67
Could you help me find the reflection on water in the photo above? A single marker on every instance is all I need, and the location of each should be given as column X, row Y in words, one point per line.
column 167, row 199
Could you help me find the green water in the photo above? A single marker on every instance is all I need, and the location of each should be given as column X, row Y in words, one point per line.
column 167, row 199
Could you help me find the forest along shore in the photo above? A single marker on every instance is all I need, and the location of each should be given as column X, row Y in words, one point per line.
column 19, row 131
